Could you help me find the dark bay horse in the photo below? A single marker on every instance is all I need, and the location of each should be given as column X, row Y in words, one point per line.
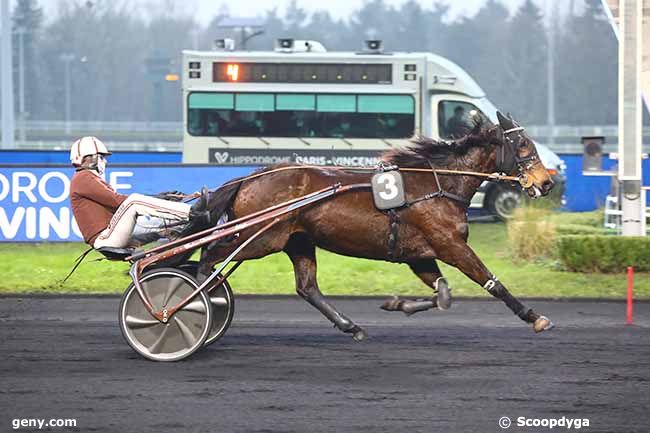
column 427, row 230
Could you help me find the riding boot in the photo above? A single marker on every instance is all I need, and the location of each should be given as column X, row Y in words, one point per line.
column 198, row 220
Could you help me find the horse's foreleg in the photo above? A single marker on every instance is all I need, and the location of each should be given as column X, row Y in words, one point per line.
column 301, row 251
column 429, row 272
column 465, row 259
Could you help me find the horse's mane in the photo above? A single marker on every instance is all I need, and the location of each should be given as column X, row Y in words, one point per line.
column 422, row 149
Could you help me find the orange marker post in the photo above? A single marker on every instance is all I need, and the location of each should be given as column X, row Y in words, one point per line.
column 630, row 293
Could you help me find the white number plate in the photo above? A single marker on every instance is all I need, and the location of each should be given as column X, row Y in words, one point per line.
column 388, row 190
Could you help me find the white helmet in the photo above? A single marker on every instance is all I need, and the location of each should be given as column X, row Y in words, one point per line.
column 86, row 146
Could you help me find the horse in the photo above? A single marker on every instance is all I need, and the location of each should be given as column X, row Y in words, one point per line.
column 431, row 226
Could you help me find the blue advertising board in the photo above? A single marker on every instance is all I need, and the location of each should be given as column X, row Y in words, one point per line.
column 34, row 204
column 16, row 156
column 586, row 193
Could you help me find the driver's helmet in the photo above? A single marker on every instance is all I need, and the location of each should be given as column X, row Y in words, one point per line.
column 86, row 146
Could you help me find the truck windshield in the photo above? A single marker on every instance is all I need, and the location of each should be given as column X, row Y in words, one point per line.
column 300, row 115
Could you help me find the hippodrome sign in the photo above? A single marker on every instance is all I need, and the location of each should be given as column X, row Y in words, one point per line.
column 35, row 206
column 350, row 158
column 34, row 203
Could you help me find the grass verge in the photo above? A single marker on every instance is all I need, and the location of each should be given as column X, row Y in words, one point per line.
column 37, row 268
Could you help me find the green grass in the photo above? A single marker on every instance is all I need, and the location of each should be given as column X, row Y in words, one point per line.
column 37, row 268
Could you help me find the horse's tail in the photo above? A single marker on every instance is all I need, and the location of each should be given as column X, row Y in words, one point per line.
column 221, row 200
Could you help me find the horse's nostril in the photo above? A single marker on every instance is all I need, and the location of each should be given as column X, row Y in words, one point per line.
column 547, row 185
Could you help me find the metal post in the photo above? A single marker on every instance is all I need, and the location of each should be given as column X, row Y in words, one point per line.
column 244, row 39
column 21, row 85
column 67, row 58
column 629, row 115
column 551, row 7
column 157, row 97
column 7, row 79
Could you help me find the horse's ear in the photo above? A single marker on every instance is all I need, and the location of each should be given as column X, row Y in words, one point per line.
column 512, row 119
column 505, row 122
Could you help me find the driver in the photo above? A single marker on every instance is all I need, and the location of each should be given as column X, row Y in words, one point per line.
column 109, row 219
column 457, row 125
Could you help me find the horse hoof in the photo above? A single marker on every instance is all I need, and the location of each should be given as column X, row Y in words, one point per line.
column 359, row 334
column 543, row 323
column 391, row 304
column 443, row 300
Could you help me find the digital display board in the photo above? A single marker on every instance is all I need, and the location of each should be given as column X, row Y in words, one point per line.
column 223, row 72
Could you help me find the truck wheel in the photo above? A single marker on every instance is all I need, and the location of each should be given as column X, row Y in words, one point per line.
column 503, row 200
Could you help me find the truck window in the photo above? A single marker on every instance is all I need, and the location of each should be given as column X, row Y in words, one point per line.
column 456, row 118
column 300, row 115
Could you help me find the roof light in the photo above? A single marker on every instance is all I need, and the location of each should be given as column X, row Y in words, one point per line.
column 374, row 46
column 225, row 44
column 284, row 44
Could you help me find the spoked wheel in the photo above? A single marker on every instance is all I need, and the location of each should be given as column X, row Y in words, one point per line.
column 223, row 305
column 186, row 330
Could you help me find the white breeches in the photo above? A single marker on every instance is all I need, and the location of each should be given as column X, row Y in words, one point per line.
column 119, row 232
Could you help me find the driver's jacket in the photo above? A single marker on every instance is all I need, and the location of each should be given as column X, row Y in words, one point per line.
column 93, row 203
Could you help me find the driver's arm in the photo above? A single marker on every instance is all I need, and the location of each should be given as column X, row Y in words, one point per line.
column 97, row 190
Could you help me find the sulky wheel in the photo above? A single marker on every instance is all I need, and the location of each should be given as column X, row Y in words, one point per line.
column 223, row 304
column 223, row 309
column 186, row 330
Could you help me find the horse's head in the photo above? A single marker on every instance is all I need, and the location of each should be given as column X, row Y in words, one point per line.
column 518, row 155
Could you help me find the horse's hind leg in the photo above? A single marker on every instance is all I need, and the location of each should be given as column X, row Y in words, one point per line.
column 302, row 253
column 429, row 272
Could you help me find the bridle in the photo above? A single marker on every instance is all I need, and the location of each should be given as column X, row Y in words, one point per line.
column 508, row 158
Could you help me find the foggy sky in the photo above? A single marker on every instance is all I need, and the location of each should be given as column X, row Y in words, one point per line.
column 204, row 10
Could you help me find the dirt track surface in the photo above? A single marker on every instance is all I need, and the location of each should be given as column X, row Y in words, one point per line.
column 282, row 368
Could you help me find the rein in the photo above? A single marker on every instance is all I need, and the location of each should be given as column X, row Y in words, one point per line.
column 493, row 177
column 489, row 176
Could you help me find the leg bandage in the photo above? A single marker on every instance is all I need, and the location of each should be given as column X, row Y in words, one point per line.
column 498, row 290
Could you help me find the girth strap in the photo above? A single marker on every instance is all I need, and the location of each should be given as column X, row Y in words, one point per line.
column 394, row 217
column 393, row 234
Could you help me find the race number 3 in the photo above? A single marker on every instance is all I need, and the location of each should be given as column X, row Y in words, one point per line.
column 388, row 190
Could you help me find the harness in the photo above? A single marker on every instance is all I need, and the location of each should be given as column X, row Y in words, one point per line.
column 393, row 214
column 507, row 160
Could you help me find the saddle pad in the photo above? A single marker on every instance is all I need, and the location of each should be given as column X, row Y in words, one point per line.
column 388, row 190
